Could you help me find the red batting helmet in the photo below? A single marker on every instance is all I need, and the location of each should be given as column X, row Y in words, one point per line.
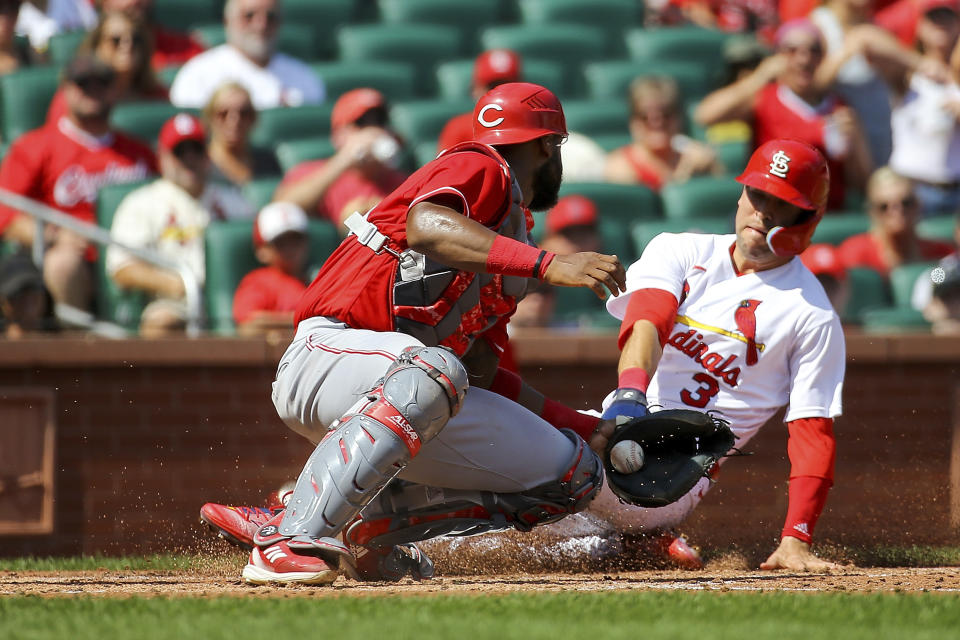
column 797, row 173
column 517, row 112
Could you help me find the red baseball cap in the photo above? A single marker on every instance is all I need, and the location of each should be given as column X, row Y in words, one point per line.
column 824, row 259
column 180, row 128
column 353, row 104
column 276, row 219
column 571, row 211
column 496, row 66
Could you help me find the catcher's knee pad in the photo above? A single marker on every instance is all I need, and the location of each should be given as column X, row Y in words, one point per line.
column 363, row 450
column 407, row 512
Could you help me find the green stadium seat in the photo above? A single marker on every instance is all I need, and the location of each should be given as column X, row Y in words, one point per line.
column 293, row 39
column 395, row 80
column 621, row 204
column 689, row 43
column 230, row 256
column 182, row 15
column 425, row 152
column 615, row 239
column 144, row 120
column 581, row 308
column 733, row 156
column 324, row 17
column 167, row 74
column 423, row 46
column 569, row 44
column 701, row 197
column 422, row 120
column 259, row 192
column 468, row 18
column 597, row 117
column 868, row 290
column 939, row 228
column 114, row 304
column 838, row 226
column 455, row 78
column 894, row 320
column 903, row 279
column 63, row 46
column 24, row 99
column 612, row 78
column 293, row 152
column 643, row 232
column 611, row 141
column 291, row 123
column 613, row 16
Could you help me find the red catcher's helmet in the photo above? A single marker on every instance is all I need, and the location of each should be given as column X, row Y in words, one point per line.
column 517, row 112
column 796, row 172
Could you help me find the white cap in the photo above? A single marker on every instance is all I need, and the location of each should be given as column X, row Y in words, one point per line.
column 278, row 218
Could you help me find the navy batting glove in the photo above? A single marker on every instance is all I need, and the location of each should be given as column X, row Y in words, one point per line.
column 629, row 403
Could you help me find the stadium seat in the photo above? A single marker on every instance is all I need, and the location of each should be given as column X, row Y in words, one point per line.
column 454, row 78
column 63, row 46
column 182, row 15
column 114, row 304
column 611, row 78
column 903, row 279
column 229, row 252
column 611, row 141
column 868, row 290
column 144, row 120
column 260, row 191
column 733, row 156
column 423, row 46
column 612, row 16
column 569, row 44
column 701, row 197
column 24, row 98
column 615, row 239
column 291, row 123
column 643, row 232
column 622, row 204
column 324, row 17
column 396, row 80
column 294, row 39
column 893, row 320
column 424, row 152
column 581, row 308
column 468, row 18
column 422, row 120
column 693, row 44
column 838, row 226
column 939, row 228
column 167, row 74
column 597, row 117
column 293, row 152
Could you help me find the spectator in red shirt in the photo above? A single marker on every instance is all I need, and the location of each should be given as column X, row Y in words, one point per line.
column 823, row 261
column 63, row 164
column 169, row 47
column 360, row 173
column 490, row 69
column 892, row 239
column 267, row 297
column 124, row 44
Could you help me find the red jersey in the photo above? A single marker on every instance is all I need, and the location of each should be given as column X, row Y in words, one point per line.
column 172, row 48
column 64, row 167
column 356, row 285
column 458, row 129
column 863, row 250
column 780, row 113
column 351, row 184
column 266, row 289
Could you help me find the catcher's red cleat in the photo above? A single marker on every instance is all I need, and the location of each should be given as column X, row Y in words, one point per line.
column 390, row 564
column 680, row 553
column 236, row 525
column 280, row 563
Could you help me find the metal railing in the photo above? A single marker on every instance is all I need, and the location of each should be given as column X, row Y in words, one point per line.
column 42, row 213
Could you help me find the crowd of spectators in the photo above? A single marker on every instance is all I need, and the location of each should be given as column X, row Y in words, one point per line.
column 875, row 85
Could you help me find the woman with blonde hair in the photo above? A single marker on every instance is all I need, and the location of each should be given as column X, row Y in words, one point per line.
column 230, row 116
column 126, row 45
column 659, row 152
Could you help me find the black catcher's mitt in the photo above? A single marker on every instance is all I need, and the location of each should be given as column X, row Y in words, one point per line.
column 680, row 447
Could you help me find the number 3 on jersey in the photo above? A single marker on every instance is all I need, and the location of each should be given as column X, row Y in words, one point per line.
column 701, row 395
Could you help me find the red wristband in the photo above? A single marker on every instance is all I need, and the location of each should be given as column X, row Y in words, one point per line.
column 563, row 417
column 511, row 258
column 634, row 378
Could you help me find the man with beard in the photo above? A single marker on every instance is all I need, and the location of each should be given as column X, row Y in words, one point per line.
column 64, row 164
column 249, row 58
column 412, row 305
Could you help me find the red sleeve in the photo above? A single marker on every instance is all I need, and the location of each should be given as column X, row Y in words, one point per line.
column 20, row 173
column 470, row 182
column 812, row 452
column 251, row 296
column 656, row 305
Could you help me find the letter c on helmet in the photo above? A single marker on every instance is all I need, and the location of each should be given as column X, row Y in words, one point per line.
column 489, row 123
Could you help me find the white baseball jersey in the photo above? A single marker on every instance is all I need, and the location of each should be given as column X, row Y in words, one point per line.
column 797, row 345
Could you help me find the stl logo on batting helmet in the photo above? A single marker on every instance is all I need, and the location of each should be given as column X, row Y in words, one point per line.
column 481, row 117
column 779, row 164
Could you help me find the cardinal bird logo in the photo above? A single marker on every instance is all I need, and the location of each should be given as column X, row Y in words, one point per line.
column 746, row 318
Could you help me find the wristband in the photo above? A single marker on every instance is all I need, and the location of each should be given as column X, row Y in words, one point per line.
column 634, row 378
column 509, row 257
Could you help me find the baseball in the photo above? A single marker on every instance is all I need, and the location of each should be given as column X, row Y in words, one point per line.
column 626, row 456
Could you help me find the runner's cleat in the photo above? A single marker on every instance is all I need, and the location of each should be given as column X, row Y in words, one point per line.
column 278, row 563
column 680, row 553
column 236, row 525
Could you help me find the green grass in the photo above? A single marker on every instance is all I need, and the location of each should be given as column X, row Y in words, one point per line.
column 159, row 562
column 607, row 616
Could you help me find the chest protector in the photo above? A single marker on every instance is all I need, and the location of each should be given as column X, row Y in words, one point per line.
column 448, row 307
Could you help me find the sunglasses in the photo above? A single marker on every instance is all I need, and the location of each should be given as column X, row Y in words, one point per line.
column 375, row 117
column 244, row 113
column 135, row 40
column 907, row 203
column 188, row 148
column 664, row 115
column 93, row 83
column 272, row 16
column 814, row 50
